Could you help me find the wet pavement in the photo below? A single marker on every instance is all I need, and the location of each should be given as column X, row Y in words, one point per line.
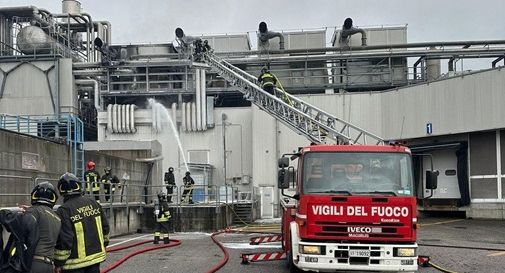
column 459, row 245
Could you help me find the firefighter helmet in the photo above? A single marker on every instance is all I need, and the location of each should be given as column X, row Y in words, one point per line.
column 263, row 27
column 170, row 169
column 188, row 173
column 179, row 33
column 91, row 165
column 44, row 193
column 108, row 170
column 69, row 184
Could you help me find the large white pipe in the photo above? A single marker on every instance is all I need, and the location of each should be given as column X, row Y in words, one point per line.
column 127, row 119
column 123, row 117
column 96, row 91
column 174, row 114
column 132, row 118
column 183, row 115
column 114, row 118
column 153, row 116
column 193, row 116
column 203, row 100
column 188, row 117
column 159, row 118
column 109, row 117
column 198, row 98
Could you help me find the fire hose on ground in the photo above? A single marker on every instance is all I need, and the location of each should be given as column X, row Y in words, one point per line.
column 223, row 261
column 136, row 252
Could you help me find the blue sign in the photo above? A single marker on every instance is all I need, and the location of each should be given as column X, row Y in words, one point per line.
column 429, row 128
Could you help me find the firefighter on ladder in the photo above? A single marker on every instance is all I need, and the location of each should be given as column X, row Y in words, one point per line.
column 91, row 178
column 267, row 80
column 187, row 194
column 162, row 214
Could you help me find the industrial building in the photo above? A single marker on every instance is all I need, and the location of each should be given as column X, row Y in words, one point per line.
column 144, row 108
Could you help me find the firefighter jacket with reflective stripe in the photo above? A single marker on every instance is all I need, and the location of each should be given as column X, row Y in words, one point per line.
column 84, row 233
column 267, row 79
column 163, row 213
column 17, row 256
column 188, row 182
column 92, row 177
column 48, row 225
column 109, row 180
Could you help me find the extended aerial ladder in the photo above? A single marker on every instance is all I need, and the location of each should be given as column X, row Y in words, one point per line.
column 317, row 125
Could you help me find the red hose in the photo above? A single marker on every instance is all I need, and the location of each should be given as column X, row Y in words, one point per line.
column 131, row 254
column 113, row 249
column 221, row 263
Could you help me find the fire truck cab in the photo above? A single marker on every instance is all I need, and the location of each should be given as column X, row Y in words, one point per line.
column 352, row 207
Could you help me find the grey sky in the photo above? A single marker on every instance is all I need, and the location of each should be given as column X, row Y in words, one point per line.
column 135, row 21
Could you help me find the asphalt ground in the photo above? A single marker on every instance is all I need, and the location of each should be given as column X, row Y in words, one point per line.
column 459, row 245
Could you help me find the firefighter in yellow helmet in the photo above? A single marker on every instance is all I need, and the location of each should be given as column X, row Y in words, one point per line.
column 162, row 214
column 267, row 80
column 84, row 230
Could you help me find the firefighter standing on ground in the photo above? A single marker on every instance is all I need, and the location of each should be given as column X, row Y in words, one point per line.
column 43, row 198
column 110, row 182
column 162, row 214
column 91, row 178
column 267, row 80
column 84, row 230
column 30, row 247
column 187, row 194
column 170, row 183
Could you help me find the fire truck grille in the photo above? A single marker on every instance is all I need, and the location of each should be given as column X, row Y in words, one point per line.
column 380, row 230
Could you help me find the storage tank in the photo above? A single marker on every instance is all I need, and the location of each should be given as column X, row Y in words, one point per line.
column 33, row 40
column 71, row 6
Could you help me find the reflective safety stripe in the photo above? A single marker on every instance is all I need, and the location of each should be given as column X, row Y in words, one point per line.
column 87, row 261
column 98, row 221
column 81, row 244
column 13, row 251
column 61, row 255
column 157, row 234
column 165, row 235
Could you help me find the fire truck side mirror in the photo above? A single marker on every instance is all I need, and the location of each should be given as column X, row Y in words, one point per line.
column 282, row 179
column 431, row 179
column 283, row 162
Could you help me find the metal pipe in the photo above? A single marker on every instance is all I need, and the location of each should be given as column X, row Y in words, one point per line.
column 151, row 159
column 197, row 100
column 132, row 118
column 96, row 91
column 203, row 99
column 109, row 117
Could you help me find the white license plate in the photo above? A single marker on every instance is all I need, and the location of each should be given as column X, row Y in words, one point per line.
column 359, row 253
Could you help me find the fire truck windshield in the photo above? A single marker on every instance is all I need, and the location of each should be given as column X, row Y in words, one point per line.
column 357, row 173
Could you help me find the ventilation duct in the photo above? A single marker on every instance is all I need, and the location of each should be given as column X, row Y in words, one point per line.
column 264, row 36
column 121, row 118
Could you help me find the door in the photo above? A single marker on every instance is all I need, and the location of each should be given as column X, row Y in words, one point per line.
column 267, row 202
column 445, row 161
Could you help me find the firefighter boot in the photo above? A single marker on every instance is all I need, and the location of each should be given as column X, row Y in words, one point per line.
column 156, row 240
column 166, row 240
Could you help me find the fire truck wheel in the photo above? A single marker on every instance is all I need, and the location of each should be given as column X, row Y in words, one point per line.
column 291, row 265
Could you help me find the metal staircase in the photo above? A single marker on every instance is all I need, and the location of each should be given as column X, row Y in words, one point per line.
column 315, row 124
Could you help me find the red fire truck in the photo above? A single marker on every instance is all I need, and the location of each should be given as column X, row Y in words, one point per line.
column 352, row 208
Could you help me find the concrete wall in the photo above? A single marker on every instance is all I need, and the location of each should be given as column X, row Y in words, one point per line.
column 28, row 158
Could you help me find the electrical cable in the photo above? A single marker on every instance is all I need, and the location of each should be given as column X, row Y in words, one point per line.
column 223, row 261
column 136, row 252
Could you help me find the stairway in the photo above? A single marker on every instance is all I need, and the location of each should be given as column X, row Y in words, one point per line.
column 243, row 213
